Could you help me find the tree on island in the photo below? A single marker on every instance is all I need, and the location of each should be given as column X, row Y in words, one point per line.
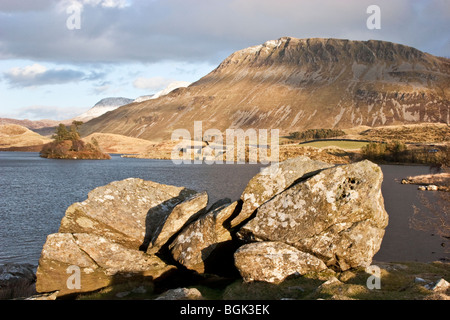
column 67, row 144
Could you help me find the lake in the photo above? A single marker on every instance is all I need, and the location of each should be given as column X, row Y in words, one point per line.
column 35, row 193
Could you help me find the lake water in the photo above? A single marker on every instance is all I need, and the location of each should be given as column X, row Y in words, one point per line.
column 35, row 193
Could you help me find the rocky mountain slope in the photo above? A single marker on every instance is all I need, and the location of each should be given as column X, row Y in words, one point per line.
column 295, row 84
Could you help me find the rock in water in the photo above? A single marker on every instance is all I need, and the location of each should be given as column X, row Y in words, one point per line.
column 274, row 261
column 194, row 245
column 273, row 180
column 337, row 215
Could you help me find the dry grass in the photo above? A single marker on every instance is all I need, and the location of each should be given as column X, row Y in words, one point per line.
column 14, row 136
column 115, row 143
column 414, row 133
column 163, row 150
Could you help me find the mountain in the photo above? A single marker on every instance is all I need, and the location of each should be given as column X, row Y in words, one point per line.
column 103, row 106
column 296, row 84
column 172, row 86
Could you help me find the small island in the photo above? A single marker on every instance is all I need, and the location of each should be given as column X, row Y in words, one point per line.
column 67, row 144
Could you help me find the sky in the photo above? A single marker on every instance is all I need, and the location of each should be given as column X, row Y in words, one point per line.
column 60, row 57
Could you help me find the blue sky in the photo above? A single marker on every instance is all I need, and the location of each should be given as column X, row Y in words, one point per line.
column 53, row 66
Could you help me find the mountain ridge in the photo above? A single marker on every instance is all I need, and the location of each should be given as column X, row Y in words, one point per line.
column 296, row 84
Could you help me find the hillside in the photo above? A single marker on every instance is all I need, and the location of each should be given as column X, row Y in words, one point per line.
column 296, row 84
column 114, row 143
column 32, row 124
column 17, row 137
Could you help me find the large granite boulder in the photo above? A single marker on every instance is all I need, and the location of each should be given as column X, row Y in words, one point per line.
column 274, row 262
column 274, row 179
column 336, row 215
column 197, row 242
column 106, row 236
column 81, row 262
column 127, row 211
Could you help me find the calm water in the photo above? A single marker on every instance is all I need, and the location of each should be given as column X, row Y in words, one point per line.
column 35, row 192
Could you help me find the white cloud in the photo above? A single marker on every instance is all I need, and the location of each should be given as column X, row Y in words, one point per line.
column 39, row 112
column 152, row 84
column 28, row 72
column 38, row 75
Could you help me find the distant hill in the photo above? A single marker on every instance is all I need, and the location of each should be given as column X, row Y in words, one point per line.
column 103, row 106
column 17, row 137
column 297, row 84
column 32, row 124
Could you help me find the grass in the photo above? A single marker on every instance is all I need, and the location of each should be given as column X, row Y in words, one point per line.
column 338, row 143
column 398, row 282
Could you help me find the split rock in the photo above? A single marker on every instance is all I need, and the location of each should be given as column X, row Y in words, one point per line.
column 337, row 215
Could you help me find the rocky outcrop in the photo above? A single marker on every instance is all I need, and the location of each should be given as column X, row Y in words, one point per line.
column 304, row 216
column 129, row 211
column 81, row 262
column 104, row 237
column 273, row 180
column 337, row 215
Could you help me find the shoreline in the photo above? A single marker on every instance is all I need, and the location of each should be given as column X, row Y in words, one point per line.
column 398, row 280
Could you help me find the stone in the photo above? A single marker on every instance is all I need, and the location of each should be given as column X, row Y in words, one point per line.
column 181, row 215
column 44, row 296
column 419, row 280
column 181, row 294
column 273, row 262
column 126, row 211
column 194, row 245
column 273, row 180
column 81, row 262
column 440, row 286
column 337, row 215
column 17, row 280
column 330, row 282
